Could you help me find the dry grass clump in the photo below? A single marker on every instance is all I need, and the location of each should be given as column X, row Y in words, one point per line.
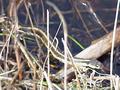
column 31, row 59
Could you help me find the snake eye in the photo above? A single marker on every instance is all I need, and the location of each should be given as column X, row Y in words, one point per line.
column 97, row 66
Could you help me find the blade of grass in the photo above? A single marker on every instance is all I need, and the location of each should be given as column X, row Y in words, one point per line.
column 48, row 48
column 113, row 42
column 78, row 43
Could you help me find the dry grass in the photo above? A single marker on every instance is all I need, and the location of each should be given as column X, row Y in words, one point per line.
column 23, row 68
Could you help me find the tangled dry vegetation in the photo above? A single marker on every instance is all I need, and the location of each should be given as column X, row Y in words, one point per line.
column 33, row 59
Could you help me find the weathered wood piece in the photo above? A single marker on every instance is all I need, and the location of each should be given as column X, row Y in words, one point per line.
column 99, row 48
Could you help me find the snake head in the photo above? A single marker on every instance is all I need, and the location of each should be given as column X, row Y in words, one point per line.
column 94, row 64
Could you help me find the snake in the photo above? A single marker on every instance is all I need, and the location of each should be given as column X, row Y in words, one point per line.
column 41, row 35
